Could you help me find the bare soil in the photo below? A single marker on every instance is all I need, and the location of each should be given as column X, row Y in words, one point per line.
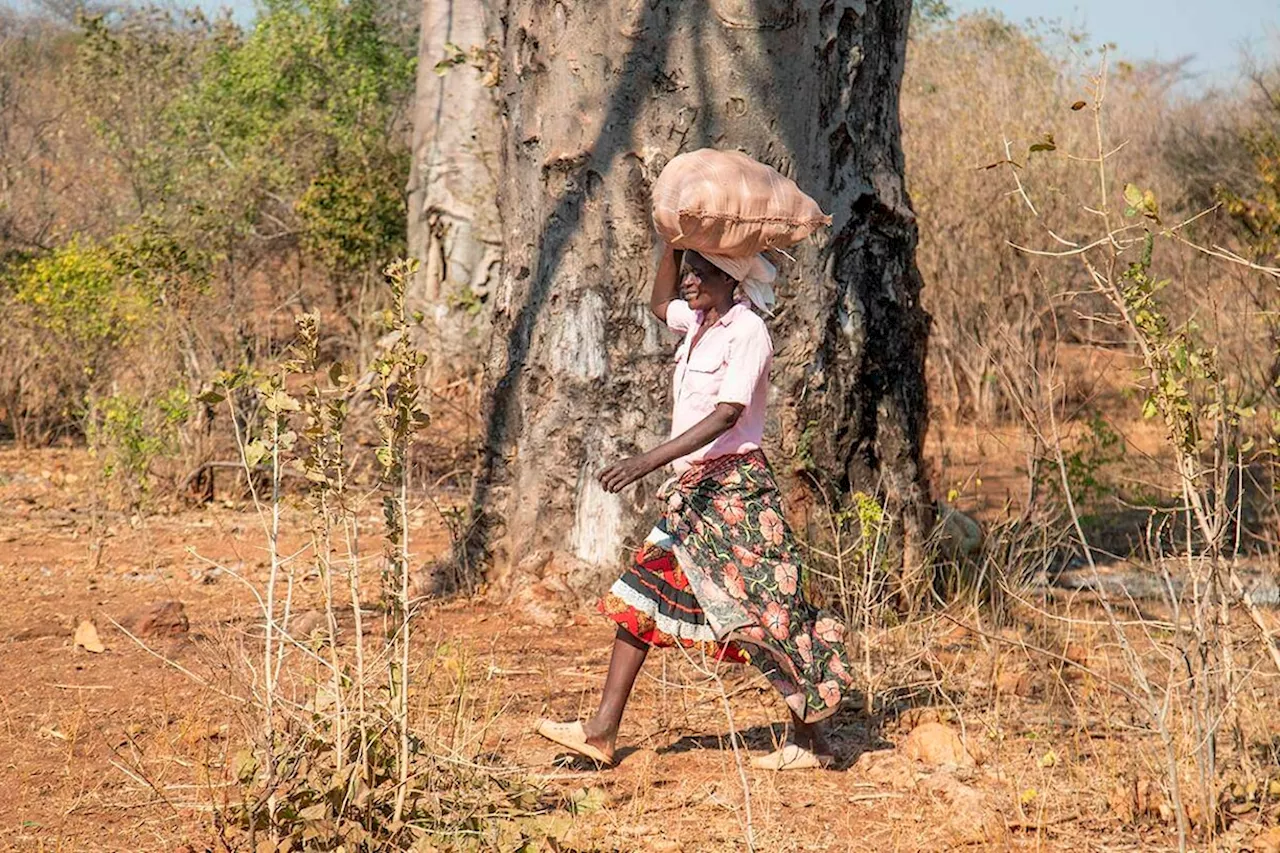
column 129, row 749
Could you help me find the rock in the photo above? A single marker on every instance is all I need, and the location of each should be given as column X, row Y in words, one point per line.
column 162, row 619
column 935, row 744
column 307, row 624
column 1267, row 841
column 87, row 638
column 958, row 534
column 887, row 767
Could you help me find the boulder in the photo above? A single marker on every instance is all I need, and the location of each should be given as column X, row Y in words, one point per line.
column 161, row 619
column 935, row 744
column 958, row 534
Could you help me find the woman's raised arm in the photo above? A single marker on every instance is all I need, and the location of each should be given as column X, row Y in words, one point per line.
column 665, row 281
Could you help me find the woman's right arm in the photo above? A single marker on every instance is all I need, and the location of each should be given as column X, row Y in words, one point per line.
column 665, row 281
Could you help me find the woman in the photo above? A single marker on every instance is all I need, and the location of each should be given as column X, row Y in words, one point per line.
column 720, row 573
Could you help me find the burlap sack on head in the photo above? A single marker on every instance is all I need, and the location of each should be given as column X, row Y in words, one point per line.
column 725, row 203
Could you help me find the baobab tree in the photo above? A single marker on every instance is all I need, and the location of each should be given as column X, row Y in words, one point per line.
column 453, row 228
column 595, row 99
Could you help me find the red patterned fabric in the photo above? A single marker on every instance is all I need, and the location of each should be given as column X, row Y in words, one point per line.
column 664, row 590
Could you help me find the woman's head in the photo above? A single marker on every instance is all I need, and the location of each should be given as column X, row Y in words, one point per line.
column 702, row 284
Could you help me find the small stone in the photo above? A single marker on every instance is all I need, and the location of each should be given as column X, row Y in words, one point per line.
column 1267, row 841
column 935, row 744
column 888, row 768
column 87, row 638
column 307, row 624
column 162, row 619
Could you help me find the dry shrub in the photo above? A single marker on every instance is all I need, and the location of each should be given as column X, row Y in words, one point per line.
column 971, row 86
column 352, row 741
column 269, row 164
column 980, row 91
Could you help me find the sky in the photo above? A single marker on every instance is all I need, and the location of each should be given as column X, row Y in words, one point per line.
column 1214, row 32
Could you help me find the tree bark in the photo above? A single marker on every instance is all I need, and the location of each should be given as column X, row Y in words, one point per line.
column 596, row 99
column 454, row 229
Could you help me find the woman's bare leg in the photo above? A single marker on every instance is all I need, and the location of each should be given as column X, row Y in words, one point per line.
column 628, row 656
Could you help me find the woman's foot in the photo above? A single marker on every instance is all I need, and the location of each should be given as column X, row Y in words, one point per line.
column 808, row 750
column 574, row 736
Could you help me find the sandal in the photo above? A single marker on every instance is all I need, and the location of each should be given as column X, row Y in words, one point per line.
column 792, row 757
column 572, row 737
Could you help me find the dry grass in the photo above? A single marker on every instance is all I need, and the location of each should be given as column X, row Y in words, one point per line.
column 978, row 94
column 1103, row 721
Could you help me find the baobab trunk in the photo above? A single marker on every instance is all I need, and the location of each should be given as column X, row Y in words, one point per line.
column 597, row 97
column 453, row 227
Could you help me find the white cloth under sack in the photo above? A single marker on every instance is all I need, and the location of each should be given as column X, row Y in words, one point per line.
column 755, row 275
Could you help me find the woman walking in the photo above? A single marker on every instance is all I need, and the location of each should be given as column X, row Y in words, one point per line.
column 720, row 572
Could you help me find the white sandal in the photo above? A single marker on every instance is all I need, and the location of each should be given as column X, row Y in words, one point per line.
column 571, row 736
column 792, row 757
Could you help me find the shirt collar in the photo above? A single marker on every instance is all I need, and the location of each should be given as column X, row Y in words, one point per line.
column 729, row 316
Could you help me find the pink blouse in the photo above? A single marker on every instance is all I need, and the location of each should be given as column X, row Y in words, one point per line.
column 730, row 364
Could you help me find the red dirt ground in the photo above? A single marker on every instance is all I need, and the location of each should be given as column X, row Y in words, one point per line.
column 120, row 751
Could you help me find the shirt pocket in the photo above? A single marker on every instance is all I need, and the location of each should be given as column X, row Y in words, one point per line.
column 704, row 374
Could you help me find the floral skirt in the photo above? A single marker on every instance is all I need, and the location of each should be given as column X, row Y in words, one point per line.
column 721, row 574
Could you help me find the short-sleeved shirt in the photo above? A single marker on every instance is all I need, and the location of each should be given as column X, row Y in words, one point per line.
column 730, row 364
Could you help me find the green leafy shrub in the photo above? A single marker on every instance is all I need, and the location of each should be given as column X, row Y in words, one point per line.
column 96, row 330
column 129, row 435
column 351, row 218
column 68, row 313
column 76, row 295
column 287, row 131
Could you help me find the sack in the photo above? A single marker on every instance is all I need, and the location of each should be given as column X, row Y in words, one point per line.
column 725, row 203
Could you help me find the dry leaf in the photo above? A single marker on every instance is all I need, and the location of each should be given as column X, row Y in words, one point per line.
column 87, row 638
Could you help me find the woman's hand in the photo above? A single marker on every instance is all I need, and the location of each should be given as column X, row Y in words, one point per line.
column 618, row 476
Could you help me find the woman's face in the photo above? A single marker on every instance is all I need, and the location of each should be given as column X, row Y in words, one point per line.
column 702, row 284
